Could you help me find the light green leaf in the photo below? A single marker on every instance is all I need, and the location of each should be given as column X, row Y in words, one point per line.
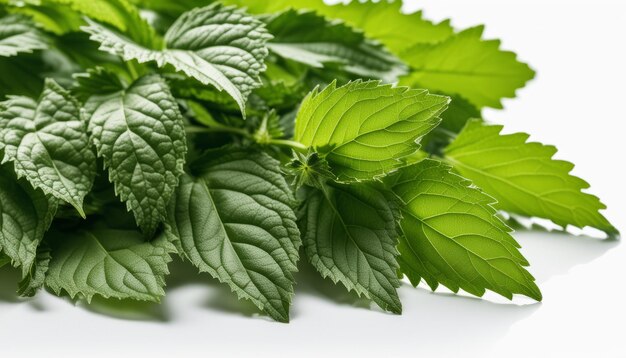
column 380, row 20
column 306, row 37
column 18, row 34
column 109, row 263
column 365, row 128
column 216, row 45
column 349, row 235
column 237, row 223
column 25, row 215
column 468, row 66
column 47, row 141
column 524, row 178
column 453, row 237
column 139, row 133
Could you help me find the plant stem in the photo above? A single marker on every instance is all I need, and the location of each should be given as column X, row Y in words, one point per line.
column 297, row 146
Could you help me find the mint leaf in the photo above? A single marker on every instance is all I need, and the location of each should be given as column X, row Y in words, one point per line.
column 236, row 222
column 349, row 235
column 25, row 215
column 306, row 37
column 452, row 235
column 468, row 66
column 109, row 263
column 18, row 34
column 365, row 128
column 48, row 143
column 216, row 45
column 524, row 178
column 139, row 133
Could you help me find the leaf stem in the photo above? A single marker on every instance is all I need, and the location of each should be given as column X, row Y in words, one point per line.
column 297, row 146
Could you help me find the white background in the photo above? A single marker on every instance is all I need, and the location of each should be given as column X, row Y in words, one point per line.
column 576, row 102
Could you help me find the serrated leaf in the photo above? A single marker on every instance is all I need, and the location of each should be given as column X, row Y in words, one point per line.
column 365, row 128
column 349, row 235
column 25, row 215
column 217, row 45
column 98, row 80
column 109, row 263
column 237, row 223
column 309, row 38
column 453, row 237
column 380, row 20
column 139, row 132
column 18, row 34
column 48, row 144
column 36, row 276
column 524, row 178
column 469, row 66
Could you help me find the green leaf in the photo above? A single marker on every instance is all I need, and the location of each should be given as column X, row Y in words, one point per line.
column 64, row 16
column 25, row 215
column 18, row 34
column 380, row 20
column 216, row 45
column 47, row 141
column 139, row 133
column 365, row 128
column 452, row 235
column 349, row 235
column 237, row 223
column 524, row 178
column 109, row 263
column 36, row 276
column 309, row 38
column 468, row 66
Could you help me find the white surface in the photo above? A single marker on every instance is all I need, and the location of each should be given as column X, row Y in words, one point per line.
column 576, row 103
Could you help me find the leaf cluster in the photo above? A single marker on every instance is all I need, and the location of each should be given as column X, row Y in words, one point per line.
column 246, row 136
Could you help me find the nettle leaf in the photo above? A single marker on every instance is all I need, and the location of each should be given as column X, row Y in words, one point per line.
column 380, row 20
column 109, row 263
column 468, row 66
column 47, row 141
column 25, row 215
column 18, row 34
column 139, row 132
column 524, row 178
column 349, row 235
column 216, row 45
column 365, row 128
column 453, row 237
column 236, row 222
column 36, row 276
column 309, row 38
column 120, row 14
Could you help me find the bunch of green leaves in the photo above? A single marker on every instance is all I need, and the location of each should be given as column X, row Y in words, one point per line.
column 242, row 135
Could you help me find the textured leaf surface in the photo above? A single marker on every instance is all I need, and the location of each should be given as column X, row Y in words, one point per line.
column 36, row 276
column 140, row 135
column 18, row 34
column 47, row 141
column 524, row 178
column 309, row 38
column 364, row 128
column 453, row 237
column 25, row 215
column 237, row 223
column 349, row 235
column 468, row 66
column 381, row 20
column 109, row 263
column 216, row 45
